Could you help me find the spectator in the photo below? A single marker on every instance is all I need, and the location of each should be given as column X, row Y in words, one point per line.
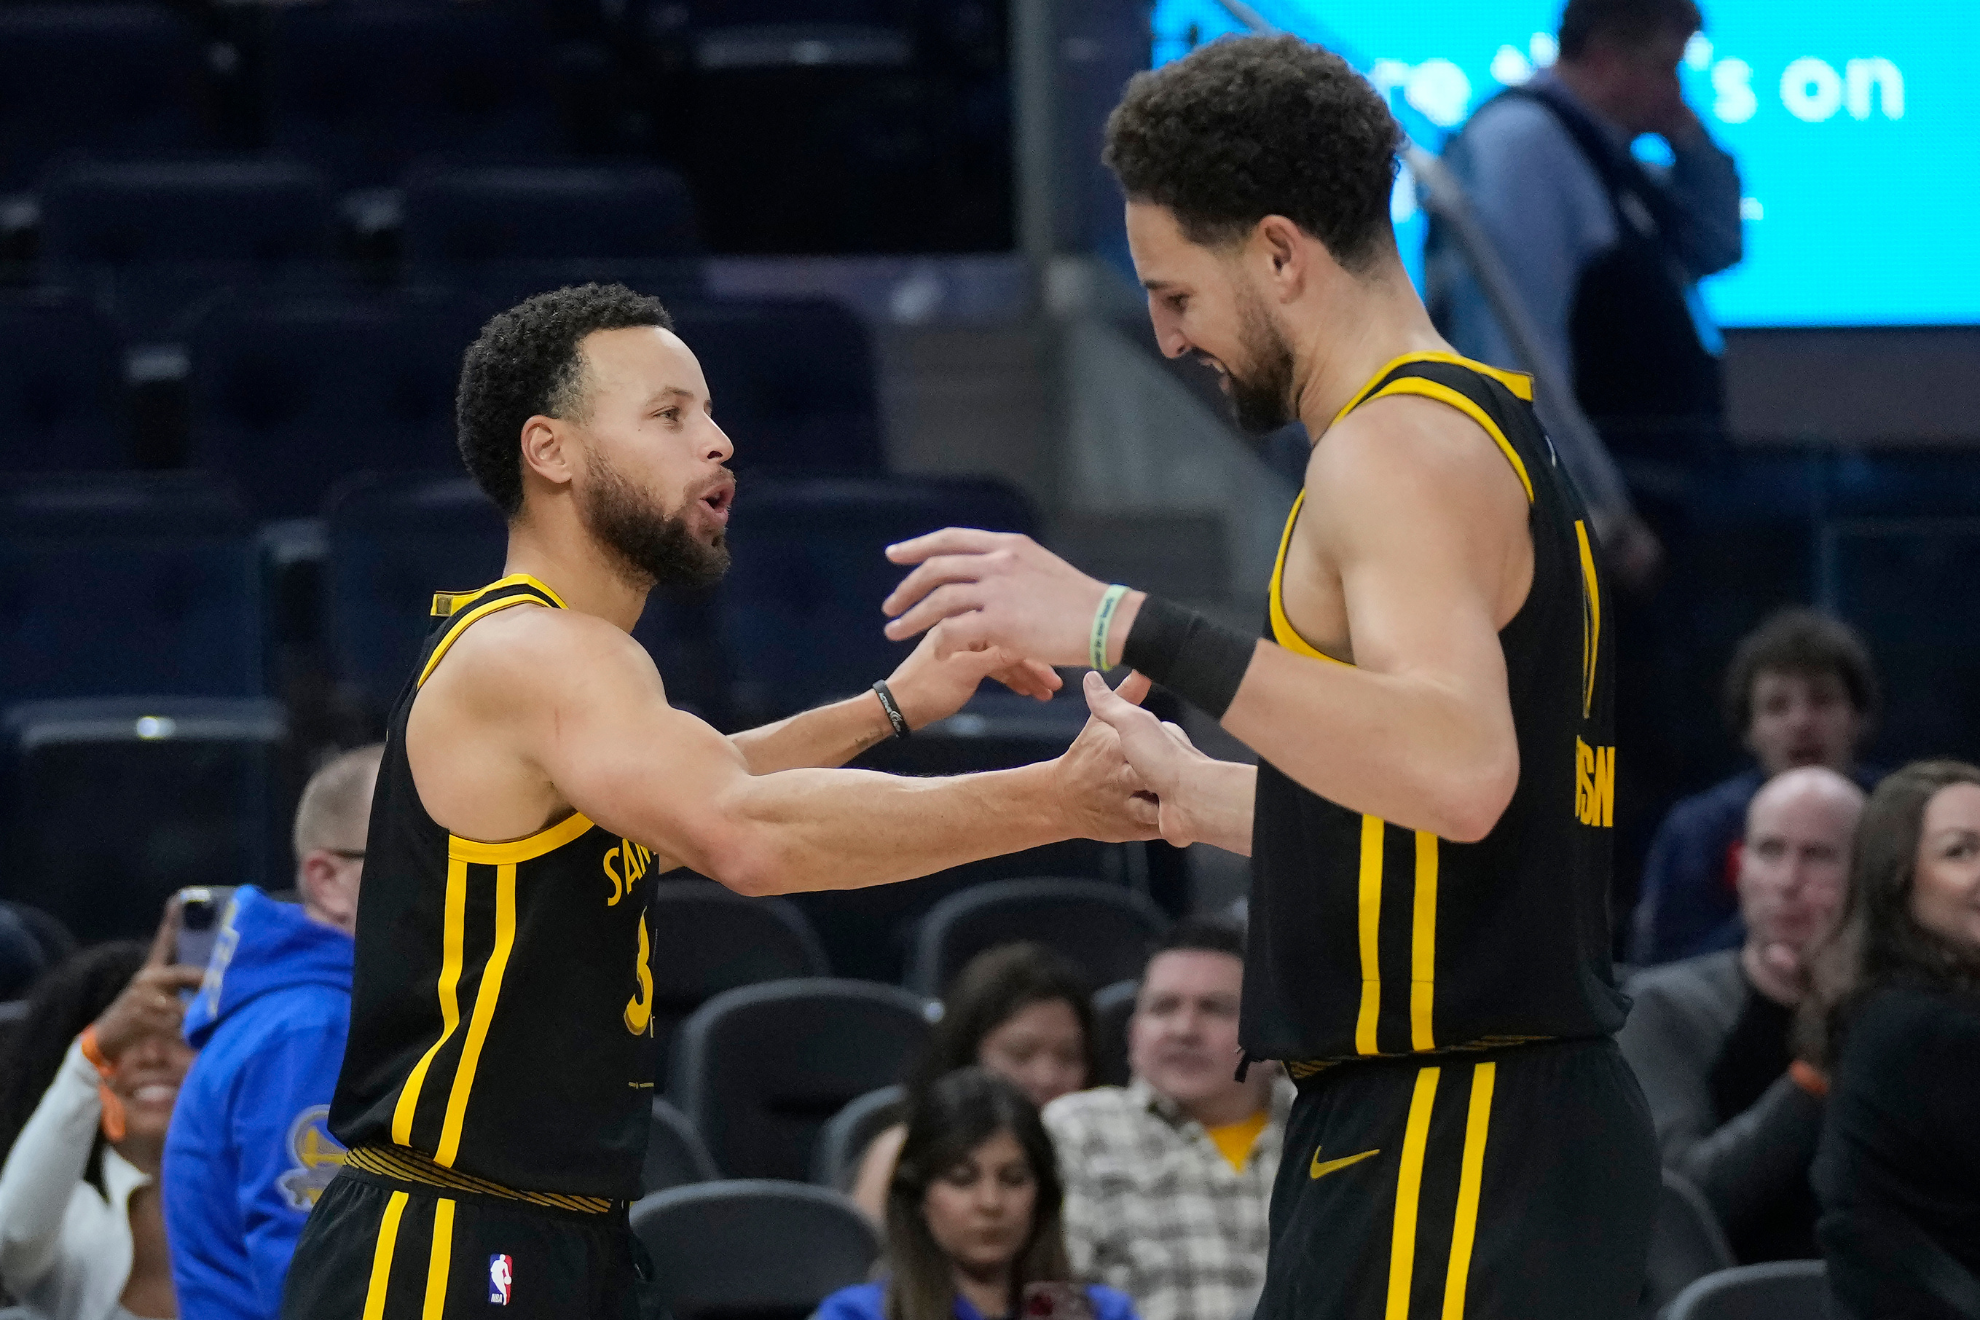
column 250, row 1150
column 1604, row 251
column 1896, row 1012
column 1020, row 1010
column 1800, row 691
column 95, row 1072
column 1168, row 1180
column 973, row 1216
column 1708, row 1037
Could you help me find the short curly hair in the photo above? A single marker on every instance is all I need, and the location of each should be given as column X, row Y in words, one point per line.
column 1247, row 127
column 525, row 362
column 1799, row 640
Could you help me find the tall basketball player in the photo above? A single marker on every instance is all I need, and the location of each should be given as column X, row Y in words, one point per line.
column 496, row 1088
column 1430, row 819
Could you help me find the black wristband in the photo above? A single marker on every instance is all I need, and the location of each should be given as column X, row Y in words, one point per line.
column 894, row 716
column 1200, row 661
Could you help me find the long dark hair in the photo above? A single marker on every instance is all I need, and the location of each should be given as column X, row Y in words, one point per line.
column 954, row 1116
column 994, row 987
column 68, row 998
column 1878, row 942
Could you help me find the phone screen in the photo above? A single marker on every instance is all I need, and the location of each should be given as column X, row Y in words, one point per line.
column 200, row 911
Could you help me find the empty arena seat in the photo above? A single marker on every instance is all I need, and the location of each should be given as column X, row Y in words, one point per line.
column 1778, row 1290
column 760, row 1069
column 842, row 1142
column 1686, row 1244
column 97, row 78
column 1113, row 1005
column 801, row 607
column 675, row 1156
column 752, row 1250
column 469, row 216
column 707, row 939
column 1104, row 929
column 794, row 383
column 134, row 583
column 113, row 804
column 288, row 396
column 393, row 542
column 806, row 34
column 61, row 387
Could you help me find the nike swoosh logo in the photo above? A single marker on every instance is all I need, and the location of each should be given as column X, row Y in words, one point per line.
column 1321, row 1169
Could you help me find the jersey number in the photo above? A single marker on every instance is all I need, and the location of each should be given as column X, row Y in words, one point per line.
column 639, row 1009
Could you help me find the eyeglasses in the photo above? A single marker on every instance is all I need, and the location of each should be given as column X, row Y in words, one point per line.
column 348, row 854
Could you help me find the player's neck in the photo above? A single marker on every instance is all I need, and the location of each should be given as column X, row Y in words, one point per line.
column 559, row 553
column 1365, row 325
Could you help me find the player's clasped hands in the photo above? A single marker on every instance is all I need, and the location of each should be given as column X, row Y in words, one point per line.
column 1109, row 800
column 996, row 589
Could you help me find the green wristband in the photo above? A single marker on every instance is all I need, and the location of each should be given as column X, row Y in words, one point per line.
column 1103, row 618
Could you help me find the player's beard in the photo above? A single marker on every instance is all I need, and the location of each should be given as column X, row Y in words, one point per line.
column 653, row 548
column 1261, row 395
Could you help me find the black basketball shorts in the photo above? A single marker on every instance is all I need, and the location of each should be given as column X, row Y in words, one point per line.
column 1513, row 1185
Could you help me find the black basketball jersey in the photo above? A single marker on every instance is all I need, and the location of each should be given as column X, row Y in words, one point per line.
column 501, row 1013
column 1370, row 939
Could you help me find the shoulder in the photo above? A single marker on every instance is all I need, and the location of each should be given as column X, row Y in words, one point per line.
column 1110, row 1303
column 1086, row 1111
column 862, row 1301
column 531, row 648
column 1708, row 978
column 1515, row 126
column 1720, row 807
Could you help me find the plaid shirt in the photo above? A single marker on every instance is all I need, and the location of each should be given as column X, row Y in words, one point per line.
column 1154, row 1209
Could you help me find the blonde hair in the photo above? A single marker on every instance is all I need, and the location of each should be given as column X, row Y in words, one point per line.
column 333, row 795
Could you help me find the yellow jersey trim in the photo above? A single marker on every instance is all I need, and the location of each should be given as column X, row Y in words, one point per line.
column 1471, row 1176
column 1518, row 382
column 1591, row 619
column 453, row 941
column 485, row 997
column 570, row 828
column 381, row 1256
column 1282, row 630
column 1369, row 903
column 454, row 631
column 412, row 1167
column 1444, row 394
column 1423, row 945
column 437, row 1261
column 446, row 604
column 1409, row 1189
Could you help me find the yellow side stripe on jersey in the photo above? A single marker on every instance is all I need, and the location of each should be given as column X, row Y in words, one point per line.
column 1444, row 394
column 453, row 941
column 461, row 625
column 484, row 1013
column 1423, row 945
column 1591, row 621
column 1282, row 630
column 437, row 1261
column 518, row 850
column 381, row 1256
column 1471, row 1176
column 1370, row 912
column 1409, row 1188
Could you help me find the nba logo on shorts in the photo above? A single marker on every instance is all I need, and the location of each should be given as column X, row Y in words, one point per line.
column 501, row 1273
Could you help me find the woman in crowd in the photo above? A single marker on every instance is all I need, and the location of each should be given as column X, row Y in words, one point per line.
column 973, row 1227
column 1021, row 1011
column 84, row 1106
column 1897, row 998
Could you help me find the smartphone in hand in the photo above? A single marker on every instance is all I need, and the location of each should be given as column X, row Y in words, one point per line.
column 201, row 908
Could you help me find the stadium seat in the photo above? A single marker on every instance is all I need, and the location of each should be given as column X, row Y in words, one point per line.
column 139, row 583
column 290, row 396
column 1686, row 1244
column 801, row 614
column 675, row 1156
column 707, row 939
column 1113, row 1005
column 794, row 383
column 393, row 542
column 1778, row 1290
column 1105, row 929
column 363, row 89
column 97, row 78
column 761, row 1068
column 464, row 217
column 752, row 1250
column 114, row 804
column 843, row 1141
column 61, row 387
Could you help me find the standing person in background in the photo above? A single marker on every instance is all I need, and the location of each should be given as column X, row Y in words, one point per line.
column 1800, row 691
column 1708, row 1037
column 1020, row 1010
column 1169, row 1180
column 1895, row 1018
column 249, row 1151
column 95, row 1072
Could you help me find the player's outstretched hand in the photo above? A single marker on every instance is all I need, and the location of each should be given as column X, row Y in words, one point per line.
column 1160, row 752
column 1107, row 799
column 934, row 682
column 995, row 589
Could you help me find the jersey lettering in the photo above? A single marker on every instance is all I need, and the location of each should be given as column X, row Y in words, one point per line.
column 1594, row 784
column 633, row 861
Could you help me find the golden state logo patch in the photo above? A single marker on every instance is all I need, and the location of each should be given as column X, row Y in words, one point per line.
column 315, row 1155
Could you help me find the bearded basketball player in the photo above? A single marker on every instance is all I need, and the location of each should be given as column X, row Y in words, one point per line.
column 496, row 1088
column 1429, row 822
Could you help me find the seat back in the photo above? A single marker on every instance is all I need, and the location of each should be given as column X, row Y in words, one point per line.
column 475, row 215
column 114, row 804
column 842, row 1142
column 707, row 939
column 675, row 1156
column 1778, row 1290
column 760, row 1069
column 61, row 387
column 139, row 583
column 1686, row 1244
column 1113, row 1005
column 1105, row 929
column 753, row 1250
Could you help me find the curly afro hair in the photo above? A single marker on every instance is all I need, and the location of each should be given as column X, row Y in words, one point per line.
column 1247, row 127
column 526, row 362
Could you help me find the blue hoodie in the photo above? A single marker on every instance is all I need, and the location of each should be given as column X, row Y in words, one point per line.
column 249, row 1149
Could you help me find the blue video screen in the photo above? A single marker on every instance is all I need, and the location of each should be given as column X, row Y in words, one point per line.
column 1854, row 125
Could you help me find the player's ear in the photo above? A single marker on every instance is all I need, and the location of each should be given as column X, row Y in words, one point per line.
column 546, row 450
column 1281, row 248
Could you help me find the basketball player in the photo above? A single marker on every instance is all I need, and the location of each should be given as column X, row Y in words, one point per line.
column 1430, row 819
column 497, row 1085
